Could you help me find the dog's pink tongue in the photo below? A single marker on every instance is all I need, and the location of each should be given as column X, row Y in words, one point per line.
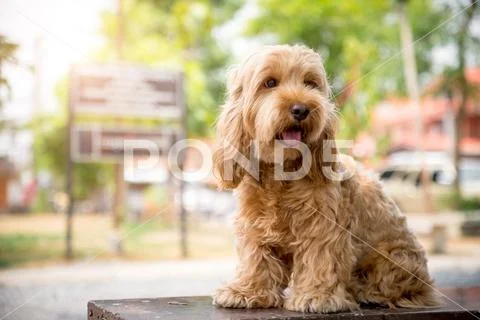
column 291, row 137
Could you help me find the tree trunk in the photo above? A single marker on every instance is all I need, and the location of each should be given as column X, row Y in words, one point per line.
column 411, row 80
column 463, row 88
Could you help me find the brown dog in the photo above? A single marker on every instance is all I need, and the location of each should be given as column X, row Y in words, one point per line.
column 332, row 243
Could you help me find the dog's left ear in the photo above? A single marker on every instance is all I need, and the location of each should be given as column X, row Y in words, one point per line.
column 232, row 140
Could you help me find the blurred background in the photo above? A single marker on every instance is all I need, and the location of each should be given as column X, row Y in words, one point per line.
column 405, row 77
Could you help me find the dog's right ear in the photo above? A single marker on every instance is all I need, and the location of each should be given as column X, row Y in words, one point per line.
column 231, row 138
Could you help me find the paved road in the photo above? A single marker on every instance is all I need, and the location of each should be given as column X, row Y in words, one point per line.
column 62, row 292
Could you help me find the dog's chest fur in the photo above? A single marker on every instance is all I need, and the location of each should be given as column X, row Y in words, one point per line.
column 278, row 210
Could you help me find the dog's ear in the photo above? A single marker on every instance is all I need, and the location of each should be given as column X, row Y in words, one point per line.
column 324, row 151
column 231, row 138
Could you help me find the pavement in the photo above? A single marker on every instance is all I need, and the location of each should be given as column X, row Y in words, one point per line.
column 62, row 292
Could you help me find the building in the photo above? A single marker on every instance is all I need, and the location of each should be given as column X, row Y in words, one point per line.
column 7, row 172
column 397, row 119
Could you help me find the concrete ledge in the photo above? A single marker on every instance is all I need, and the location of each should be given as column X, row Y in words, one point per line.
column 192, row 308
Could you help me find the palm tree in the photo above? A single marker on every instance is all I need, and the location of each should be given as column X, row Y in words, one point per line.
column 411, row 79
column 455, row 86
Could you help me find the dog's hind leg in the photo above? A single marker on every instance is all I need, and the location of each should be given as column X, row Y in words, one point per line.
column 394, row 275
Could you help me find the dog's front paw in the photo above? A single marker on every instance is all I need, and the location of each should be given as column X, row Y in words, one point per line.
column 233, row 297
column 319, row 303
column 229, row 298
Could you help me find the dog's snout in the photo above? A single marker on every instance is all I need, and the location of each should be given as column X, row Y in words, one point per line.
column 299, row 111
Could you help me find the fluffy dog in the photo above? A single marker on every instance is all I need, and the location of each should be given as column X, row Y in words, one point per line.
column 332, row 243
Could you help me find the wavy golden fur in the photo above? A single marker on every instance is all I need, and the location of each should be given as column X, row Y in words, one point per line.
column 333, row 244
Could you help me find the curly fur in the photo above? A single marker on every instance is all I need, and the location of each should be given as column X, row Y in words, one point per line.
column 333, row 244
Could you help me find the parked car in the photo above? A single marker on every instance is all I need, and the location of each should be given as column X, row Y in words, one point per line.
column 201, row 199
column 404, row 184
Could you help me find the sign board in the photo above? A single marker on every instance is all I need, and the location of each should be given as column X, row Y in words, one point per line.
column 126, row 91
column 119, row 90
column 95, row 143
column 122, row 91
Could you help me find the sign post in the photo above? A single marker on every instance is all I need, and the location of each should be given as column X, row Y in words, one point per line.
column 116, row 243
column 69, row 174
column 119, row 196
column 181, row 185
column 130, row 92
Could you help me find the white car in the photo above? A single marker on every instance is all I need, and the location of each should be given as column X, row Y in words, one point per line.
column 200, row 199
column 403, row 182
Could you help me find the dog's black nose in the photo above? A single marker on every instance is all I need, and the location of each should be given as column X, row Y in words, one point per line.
column 299, row 111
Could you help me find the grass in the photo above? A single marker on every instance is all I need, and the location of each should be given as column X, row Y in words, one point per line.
column 153, row 240
column 38, row 239
column 458, row 202
column 19, row 248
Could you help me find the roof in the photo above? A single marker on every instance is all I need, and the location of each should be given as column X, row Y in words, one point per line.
column 399, row 110
column 402, row 113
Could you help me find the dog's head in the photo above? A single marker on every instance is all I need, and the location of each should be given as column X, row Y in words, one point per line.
column 279, row 93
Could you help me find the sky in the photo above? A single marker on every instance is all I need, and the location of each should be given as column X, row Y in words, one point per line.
column 52, row 34
column 56, row 33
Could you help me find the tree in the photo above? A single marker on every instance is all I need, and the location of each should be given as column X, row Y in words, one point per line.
column 7, row 55
column 177, row 34
column 454, row 82
column 49, row 141
column 411, row 80
column 158, row 33
column 461, row 43
column 359, row 42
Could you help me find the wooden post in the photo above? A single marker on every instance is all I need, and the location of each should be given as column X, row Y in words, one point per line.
column 118, row 209
column 439, row 239
column 119, row 196
column 410, row 72
column 183, row 220
column 69, row 175
column 181, row 187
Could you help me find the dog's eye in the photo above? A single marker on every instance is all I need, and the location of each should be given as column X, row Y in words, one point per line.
column 271, row 83
column 310, row 84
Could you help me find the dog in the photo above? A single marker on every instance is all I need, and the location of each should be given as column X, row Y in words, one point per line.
column 312, row 243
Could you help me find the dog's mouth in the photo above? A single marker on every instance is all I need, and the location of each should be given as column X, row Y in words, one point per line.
column 291, row 136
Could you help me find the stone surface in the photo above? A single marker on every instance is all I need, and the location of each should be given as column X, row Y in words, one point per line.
column 466, row 306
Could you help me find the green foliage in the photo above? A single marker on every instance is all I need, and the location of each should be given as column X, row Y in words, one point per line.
column 19, row 248
column 50, row 151
column 454, row 82
column 7, row 54
column 360, row 44
column 456, row 201
column 359, row 41
column 42, row 201
column 177, row 34
column 170, row 34
column 451, row 83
